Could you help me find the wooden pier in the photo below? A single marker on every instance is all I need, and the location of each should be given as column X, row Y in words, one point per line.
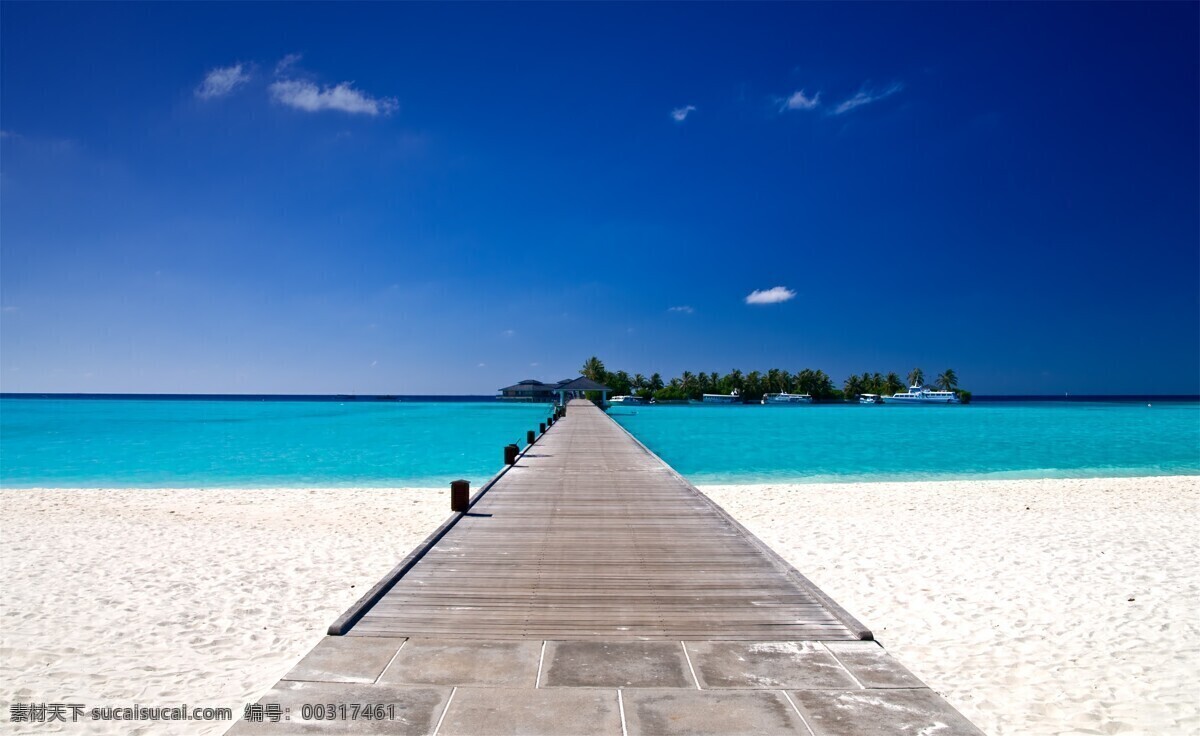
column 590, row 589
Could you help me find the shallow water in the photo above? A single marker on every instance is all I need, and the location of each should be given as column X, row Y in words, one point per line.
column 815, row 443
column 195, row 443
column 81, row 442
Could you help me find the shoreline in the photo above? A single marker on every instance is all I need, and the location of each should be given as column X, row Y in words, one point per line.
column 1019, row 616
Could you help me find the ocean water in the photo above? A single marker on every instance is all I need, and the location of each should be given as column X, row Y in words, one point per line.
column 83, row 442
column 836, row 443
column 73, row 443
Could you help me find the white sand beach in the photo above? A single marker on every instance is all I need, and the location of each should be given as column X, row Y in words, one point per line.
column 1011, row 598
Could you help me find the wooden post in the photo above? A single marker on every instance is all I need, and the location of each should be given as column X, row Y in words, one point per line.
column 530, row 437
column 510, row 454
column 542, row 428
column 460, row 495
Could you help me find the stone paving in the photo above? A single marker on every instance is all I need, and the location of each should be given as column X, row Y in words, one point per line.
column 566, row 688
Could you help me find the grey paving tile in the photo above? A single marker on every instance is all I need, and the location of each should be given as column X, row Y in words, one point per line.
column 881, row 713
column 703, row 712
column 346, row 659
column 873, row 666
column 528, row 712
column 458, row 662
column 766, row 665
column 615, row 664
column 408, row 711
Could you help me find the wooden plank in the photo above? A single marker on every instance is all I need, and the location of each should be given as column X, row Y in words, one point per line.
column 590, row 535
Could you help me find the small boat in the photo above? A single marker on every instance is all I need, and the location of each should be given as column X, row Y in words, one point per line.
column 785, row 399
column 919, row 395
column 730, row 398
column 868, row 399
column 627, row 401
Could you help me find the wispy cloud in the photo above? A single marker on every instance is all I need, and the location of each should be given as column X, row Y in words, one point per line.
column 307, row 96
column 481, row 365
column 221, row 81
column 774, row 295
column 681, row 113
column 286, row 63
column 10, row 310
column 800, row 100
column 508, row 333
column 682, row 309
column 866, row 97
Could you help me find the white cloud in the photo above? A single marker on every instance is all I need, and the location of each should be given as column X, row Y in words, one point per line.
column 508, row 333
column 374, row 363
column 774, row 295
column 309, row 97
column 866, row 97
column 481, row 365
column 681, row 113
column 800, row 101
column 286, row 63
column 684, row 309
column 221, row 81
column 10, row 310
column 534, row 364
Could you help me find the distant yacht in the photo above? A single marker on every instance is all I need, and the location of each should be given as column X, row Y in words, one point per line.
column 785, row 398
column 730, row 398
column 922, row 395
column 627, row 401
column 868, row 399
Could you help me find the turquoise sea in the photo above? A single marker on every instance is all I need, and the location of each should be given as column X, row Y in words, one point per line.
column 81, row 442
column 75, row 443
column 1003, row 439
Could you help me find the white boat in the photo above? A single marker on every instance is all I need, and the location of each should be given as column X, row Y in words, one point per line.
column 730, row 398
column 627, row 401
column 868, row 399
column 922, row 395
column 785, row 398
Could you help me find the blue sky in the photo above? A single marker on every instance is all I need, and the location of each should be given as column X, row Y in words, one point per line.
column 448, row 198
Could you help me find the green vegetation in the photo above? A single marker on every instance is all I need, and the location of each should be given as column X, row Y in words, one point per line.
column 754, row 384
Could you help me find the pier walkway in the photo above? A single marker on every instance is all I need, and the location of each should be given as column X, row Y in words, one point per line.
column 590, row 589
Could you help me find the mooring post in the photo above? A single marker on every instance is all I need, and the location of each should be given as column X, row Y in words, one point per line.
column 542, row 428
column 530, row 437
column 460, row 495
column 510, row 454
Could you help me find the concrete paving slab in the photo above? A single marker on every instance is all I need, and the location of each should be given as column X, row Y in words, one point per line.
column 615, row 664
column 458, row 662
column 881, row 713
column 767, row 665
column 407, row 711
column 701, row 712
column 528, row 712
column 872, row 666
column 342, row 659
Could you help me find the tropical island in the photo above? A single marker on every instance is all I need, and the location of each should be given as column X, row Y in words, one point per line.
column 752, row 385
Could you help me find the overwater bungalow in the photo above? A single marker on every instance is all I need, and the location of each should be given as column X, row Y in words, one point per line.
column 532, row 390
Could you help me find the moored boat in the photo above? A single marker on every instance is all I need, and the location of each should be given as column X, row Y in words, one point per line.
column 730, row 398
column 785, row 399
column 868, row 399
column 919, row 395
column 627, row 401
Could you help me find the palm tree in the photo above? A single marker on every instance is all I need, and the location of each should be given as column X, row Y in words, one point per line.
column 916, row 377
column 639, row 381
column 656, row 382
column 892, row 384
column 948, row 381
column 773, row 379
column 593, row 369
column 853, row 386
